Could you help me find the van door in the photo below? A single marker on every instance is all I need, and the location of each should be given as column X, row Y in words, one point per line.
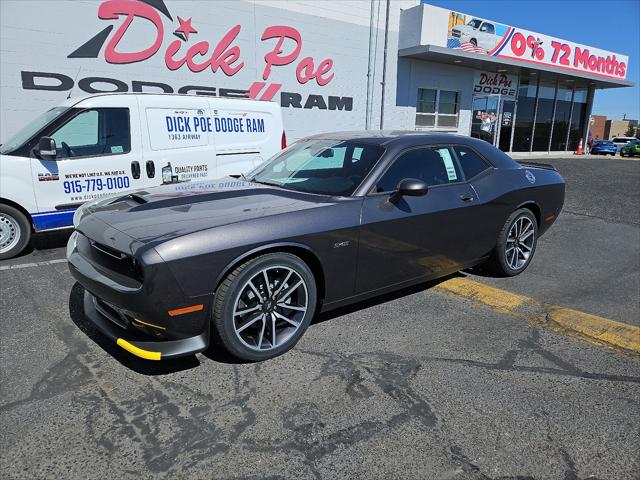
column 97, row 155
column 246, row 133
column 178, row 144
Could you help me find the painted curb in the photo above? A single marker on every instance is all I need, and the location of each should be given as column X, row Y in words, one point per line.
column 592, row 328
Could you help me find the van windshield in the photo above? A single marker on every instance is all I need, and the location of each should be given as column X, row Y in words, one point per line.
column 29, row 130
column 325, row 167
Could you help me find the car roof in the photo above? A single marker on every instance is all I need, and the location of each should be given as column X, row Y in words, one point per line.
column 404, row 138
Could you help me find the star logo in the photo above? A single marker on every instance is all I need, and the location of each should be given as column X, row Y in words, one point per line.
column 185, row 28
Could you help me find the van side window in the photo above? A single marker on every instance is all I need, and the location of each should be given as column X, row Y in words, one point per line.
column 433, row 165
column 102, row 131
column 472, row 163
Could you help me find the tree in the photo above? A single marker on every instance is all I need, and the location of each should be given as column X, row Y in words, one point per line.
column 631, row 131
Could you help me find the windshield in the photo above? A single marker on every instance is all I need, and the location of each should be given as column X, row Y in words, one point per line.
column 326, row 167
column 30, row 129
column 475, row 23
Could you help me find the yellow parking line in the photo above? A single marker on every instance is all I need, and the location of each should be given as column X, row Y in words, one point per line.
column 592, row 328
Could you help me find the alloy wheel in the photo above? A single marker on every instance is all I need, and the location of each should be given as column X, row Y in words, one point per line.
column 270, row 308
column 520, row 243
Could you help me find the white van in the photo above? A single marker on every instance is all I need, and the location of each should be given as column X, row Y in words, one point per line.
column 96, row 146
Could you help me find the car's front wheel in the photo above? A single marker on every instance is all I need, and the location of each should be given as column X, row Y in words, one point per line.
column 263, row 307
column 516, row 244
column 15, row 231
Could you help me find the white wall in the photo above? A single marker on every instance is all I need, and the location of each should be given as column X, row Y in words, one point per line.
column 339, row 30
column 414, row 74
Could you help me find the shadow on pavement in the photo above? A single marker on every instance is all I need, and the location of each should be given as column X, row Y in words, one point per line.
column 387, row 297
column 215, row 351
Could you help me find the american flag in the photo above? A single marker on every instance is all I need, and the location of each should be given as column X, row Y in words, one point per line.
column 466, row 46
column 470, row 47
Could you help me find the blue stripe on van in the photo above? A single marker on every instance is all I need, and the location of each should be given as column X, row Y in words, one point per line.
column 55, row 219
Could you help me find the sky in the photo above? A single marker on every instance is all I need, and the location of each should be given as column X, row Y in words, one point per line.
column 612, row 25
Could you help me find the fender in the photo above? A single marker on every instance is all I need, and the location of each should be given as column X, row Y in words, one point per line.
column 269, row 247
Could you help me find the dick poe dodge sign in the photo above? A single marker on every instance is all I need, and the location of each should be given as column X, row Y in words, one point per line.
column 178, row 44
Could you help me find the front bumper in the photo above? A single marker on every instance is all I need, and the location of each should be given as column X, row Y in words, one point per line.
column 151, row 319
column 138, row 343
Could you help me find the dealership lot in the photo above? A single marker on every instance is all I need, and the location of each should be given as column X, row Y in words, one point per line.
column 422, row 384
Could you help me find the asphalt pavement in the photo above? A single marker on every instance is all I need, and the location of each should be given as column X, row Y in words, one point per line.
column 421, row 384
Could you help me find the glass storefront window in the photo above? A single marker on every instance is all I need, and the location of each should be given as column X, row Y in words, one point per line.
column 527, row 91
column 544, row 115
column 576, row 128
column 561, row 122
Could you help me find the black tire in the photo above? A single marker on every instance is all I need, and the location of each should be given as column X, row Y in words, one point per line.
column 233, row 286
column 16, row 232
column 474, row 42
column 500, row 262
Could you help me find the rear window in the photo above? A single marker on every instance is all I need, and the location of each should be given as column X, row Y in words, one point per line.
column 621, row 140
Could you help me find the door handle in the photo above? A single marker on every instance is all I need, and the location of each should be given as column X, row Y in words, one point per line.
column 135, row 169
column 466, row 197
column 151, row 169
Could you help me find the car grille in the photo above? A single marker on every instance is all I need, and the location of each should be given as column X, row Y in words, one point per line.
column 112, row 313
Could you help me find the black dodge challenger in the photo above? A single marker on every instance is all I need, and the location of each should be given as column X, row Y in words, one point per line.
column 329, row 221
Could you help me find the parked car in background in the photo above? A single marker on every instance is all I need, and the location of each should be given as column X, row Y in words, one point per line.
column 332, row 220
column 603, row 147
column 622, row 141
column 93, row 147
column 631, row 149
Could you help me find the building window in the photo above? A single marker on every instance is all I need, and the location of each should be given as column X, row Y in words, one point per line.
column 576, row 127
column 562, row 117
column 437, row 108
column 527, row 93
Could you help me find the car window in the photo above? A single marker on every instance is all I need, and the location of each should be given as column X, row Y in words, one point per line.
column 433, row 165
column 620, row 140
column 487, row 27
column 472, row 163
column 475, row 23
column 102, row 131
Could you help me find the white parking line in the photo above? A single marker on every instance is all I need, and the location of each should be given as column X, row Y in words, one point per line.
column 35, row 264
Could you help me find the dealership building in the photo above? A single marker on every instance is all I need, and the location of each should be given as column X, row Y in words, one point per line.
column 331, row 65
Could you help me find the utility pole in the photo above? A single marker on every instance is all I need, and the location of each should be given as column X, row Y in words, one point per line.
column 384, row 66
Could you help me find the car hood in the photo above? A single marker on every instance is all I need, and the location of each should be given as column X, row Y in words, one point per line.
column 169, row 211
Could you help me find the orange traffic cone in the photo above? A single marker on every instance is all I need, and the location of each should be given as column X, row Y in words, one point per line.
column 579, row 150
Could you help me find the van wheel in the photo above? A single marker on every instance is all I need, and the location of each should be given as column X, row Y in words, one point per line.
column 15, row 232
column 474, row 42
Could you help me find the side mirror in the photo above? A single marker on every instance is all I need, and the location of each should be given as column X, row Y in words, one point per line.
column 409, row 187
column 47, row 148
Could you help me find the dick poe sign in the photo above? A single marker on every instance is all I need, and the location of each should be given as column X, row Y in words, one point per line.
column 146, row 31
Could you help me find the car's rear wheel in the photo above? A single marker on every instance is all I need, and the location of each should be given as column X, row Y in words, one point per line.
column 263, row 307
column 15, row 232
column 516, row 244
